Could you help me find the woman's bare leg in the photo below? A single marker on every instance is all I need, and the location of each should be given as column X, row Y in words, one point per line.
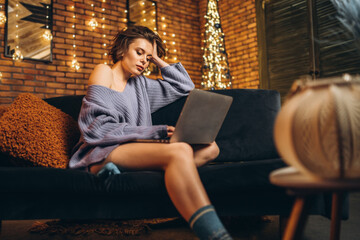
column 177, row 160
column 205, row 153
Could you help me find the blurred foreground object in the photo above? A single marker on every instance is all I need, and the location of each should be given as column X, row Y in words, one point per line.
column 318, row 128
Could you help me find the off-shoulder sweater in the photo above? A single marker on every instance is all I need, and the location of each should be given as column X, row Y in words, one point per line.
column 109, row 118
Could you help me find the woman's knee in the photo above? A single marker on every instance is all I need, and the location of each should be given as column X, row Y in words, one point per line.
column 205, row 154
column 181, row 152
column 214, row 151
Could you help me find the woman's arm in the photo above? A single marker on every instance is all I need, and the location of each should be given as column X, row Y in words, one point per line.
column 102, row 126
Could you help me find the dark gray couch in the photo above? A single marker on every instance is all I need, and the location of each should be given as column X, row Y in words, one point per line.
column 237, row 182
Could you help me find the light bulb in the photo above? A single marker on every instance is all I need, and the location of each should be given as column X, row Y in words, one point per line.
column 47, row 35
column 93, row 23
column 2, row 18
column 17, row 56
column 75, row 64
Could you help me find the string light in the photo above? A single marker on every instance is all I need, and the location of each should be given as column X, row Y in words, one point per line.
column 74, row 63
column 169, row 37
column 2, row 16
column 17, row 55
column 47, row 33
column 148, row 19
column 105, row 55
column 215, row 66
column 125, row 18
column 93, row 23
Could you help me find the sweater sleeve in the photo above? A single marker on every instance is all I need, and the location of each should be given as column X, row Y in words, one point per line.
column 176, row 83
column 100, row 126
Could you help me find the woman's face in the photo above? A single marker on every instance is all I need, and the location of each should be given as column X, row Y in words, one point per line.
column 138, row 56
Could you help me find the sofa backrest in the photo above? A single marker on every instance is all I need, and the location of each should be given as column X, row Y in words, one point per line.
column 247, row 132
column 68, row 104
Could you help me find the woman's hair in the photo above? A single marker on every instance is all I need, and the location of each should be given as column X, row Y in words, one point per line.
column 125, row 37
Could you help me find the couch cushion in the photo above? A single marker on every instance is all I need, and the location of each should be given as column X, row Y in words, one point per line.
column 35, row 133
column 217, row 178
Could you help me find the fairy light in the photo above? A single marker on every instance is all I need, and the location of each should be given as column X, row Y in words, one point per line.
column 105, row 55
column 47, row 33
column 2, row 16
column 215, row 70
column 93, row 23
column 17, row 55
column 169, row 38
column 74, row 63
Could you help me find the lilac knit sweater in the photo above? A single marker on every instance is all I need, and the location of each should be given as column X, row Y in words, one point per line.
column 109, row 118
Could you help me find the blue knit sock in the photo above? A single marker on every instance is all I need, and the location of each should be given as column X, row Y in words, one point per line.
column 207, row 225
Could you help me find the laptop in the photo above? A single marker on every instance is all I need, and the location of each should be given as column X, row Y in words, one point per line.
column 200, row 119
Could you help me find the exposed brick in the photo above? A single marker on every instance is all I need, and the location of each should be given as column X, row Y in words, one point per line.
column 23, row 89
column 186, row 20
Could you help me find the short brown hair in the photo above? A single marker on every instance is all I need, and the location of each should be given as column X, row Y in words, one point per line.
column 124, row 38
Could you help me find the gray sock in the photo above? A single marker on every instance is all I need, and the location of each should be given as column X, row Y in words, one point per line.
column 207, row 225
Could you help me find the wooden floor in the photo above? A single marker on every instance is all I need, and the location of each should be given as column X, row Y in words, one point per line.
column 317, row 228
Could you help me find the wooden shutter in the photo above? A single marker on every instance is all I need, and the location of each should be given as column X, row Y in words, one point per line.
column 338, row 51
column 287, row 43
column 288, row 51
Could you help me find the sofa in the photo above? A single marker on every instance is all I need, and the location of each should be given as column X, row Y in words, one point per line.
column 237, row 182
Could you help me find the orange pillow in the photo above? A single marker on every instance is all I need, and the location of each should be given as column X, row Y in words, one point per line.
column 3, row 109
column 35, row 133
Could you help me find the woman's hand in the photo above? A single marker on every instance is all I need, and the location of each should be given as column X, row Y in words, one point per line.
column 170, row 131
column 155, row 58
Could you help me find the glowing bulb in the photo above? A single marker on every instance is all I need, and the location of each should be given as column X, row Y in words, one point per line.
column 47, row 35
column 17, row 56
column 75, row 64
column 93, row 23
column 163, row 18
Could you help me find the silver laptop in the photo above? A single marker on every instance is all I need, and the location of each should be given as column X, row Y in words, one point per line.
column 200, row 119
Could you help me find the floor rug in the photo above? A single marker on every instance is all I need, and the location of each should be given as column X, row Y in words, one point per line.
column 101, row 227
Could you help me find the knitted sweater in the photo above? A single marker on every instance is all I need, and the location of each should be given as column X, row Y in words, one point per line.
column 109, row 118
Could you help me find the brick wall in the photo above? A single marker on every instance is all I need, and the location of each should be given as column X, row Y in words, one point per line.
column 185, row 20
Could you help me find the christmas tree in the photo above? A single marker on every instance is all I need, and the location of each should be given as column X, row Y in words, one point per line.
column 215, row 69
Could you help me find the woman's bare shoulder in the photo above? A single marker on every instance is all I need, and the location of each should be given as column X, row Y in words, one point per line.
column 101, row 75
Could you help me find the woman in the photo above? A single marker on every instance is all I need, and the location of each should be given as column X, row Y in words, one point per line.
column 117, row 109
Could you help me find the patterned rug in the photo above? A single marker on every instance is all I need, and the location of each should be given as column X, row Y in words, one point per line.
column 101, row 227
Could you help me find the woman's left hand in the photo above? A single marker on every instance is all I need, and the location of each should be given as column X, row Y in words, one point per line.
column 155, row 58
column 170, row 130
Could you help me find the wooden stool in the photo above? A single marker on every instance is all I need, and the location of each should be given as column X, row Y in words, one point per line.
column 304, row 187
